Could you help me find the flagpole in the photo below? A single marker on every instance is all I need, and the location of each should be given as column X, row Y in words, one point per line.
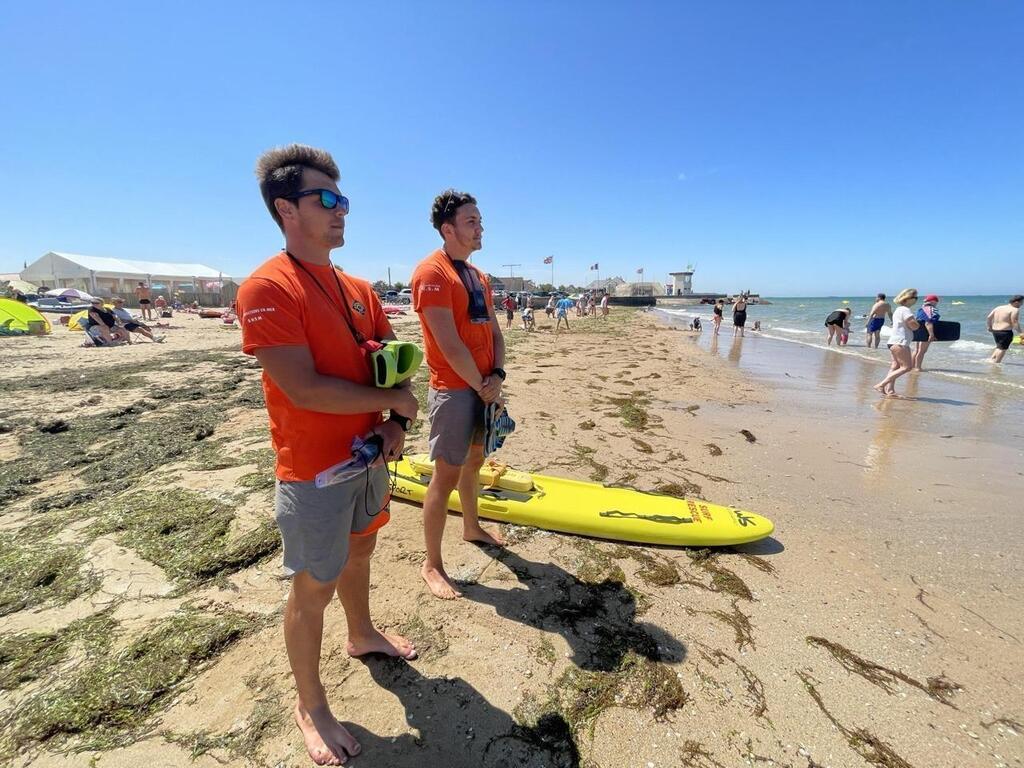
column 552, row 272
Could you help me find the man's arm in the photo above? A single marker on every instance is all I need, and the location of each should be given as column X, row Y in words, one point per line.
column 1015, row 319
column 442, row 326
column 293, row 370
column 499, row 342
column 988, row 320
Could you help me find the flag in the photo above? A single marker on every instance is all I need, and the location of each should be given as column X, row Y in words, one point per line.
column 549, row 259
column 593, row 267
column 640, row 271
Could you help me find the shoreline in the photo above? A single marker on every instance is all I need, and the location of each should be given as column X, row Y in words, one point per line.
column 645, row 655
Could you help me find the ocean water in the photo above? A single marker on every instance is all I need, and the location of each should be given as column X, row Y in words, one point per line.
column 802, row 321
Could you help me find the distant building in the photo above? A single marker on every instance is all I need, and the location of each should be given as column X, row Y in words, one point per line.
column 640, row 289
column 104, row 276
column 511, row 284
column 609, row 285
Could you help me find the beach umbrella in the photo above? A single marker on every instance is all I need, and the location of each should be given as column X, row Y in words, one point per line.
column 70, row 293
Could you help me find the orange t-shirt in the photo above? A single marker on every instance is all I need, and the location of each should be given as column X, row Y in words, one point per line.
column 280, row 305
column 435, row 283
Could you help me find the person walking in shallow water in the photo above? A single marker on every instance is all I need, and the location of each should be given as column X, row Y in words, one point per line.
column 876, row 319
column 739, row 315
column 1002, row 321
column 927, row 316
column 717, row 316
column 903, row 327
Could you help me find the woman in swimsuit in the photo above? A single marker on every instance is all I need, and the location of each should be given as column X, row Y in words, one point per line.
column 739, row 315
column 717, row 316
column 837, row 322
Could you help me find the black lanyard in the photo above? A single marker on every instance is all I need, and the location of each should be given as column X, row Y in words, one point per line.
column 346, row 313
column 477, row 306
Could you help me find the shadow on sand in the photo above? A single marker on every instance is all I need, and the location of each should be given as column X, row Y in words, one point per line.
column 598, row 621
column 457, row 727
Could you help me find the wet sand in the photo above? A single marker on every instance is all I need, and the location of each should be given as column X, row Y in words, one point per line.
column 879, row 626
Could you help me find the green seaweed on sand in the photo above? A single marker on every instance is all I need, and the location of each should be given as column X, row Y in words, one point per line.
column 694, row 755
column 544, row 652
column 243, row 741
column 864, row 743
column 186, row 533
column 595, row 565
column 641, row 446
column 584, row 454
column 753, row 684
column 108, row 701
column 684, row 489
column 429, row 638
column 743, row 630
column 632, row 410
column 655, row 570
column 37, row 572
column 27, row 656
column 722, row 579
column 580, row 696
column 263, row 476
column 938, row 688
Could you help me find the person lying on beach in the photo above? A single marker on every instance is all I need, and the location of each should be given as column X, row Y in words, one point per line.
column 876, row 319
column 903, row 327
column 927, row 315
column 130, row 324
column 307, row 322
column 102, row 327
column 1002, row 321
column 465, row 352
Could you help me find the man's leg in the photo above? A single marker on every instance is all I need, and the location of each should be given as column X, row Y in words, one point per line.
column 435, row 513
column 469, row 487
column 353, row 588
column 327, row 742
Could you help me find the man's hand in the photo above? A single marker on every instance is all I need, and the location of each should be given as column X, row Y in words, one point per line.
column 405, row 403
column 394, row 441
column 490, row 390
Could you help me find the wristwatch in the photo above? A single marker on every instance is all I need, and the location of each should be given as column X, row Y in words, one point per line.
column 500, row 372
column 400, row 420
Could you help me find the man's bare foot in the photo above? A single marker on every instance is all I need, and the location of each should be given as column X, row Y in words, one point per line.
column 482, row 536
column 439, row 583
column 389, row 645
column 879, row 388
column 327, row 741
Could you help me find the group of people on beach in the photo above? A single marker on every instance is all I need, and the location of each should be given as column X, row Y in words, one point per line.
column 312, row 327
column 739, row 316
column 1002, row 321
column 112, row 325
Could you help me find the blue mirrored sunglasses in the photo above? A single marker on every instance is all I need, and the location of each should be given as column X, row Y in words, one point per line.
column 328, row 198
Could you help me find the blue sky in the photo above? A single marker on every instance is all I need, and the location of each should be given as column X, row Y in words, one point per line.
column 794, row 148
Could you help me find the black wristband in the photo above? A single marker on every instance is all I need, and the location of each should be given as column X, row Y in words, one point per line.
column 500, row 372
column 403, row 421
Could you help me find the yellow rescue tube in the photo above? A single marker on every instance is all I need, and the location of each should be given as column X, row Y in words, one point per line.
column 591, row 509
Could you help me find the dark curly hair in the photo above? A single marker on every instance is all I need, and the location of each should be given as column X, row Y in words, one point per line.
column 446, row 204
column 279, row 171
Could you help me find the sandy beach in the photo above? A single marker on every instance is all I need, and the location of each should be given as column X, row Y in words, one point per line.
column 141, row 590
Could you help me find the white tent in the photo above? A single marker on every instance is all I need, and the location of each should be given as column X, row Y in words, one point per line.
column 103, row 276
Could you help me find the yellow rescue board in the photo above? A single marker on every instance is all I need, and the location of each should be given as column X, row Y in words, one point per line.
column 590, row 509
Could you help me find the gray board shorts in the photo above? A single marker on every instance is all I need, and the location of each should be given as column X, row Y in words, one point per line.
column 456, row 423
column 316, row 523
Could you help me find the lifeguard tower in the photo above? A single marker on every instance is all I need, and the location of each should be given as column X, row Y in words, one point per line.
column 681, row 283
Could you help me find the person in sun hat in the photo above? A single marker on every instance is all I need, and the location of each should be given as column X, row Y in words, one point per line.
column 927, row 315
column 903, row 326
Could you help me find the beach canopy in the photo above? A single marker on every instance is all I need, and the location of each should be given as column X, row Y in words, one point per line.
column 17, row 318
column 22, row 285
column 70, row 293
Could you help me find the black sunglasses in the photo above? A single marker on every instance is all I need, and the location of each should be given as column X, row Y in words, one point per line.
column 328, row 198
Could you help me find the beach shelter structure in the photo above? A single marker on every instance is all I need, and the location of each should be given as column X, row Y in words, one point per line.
column 104, row 276
column 18, row 318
